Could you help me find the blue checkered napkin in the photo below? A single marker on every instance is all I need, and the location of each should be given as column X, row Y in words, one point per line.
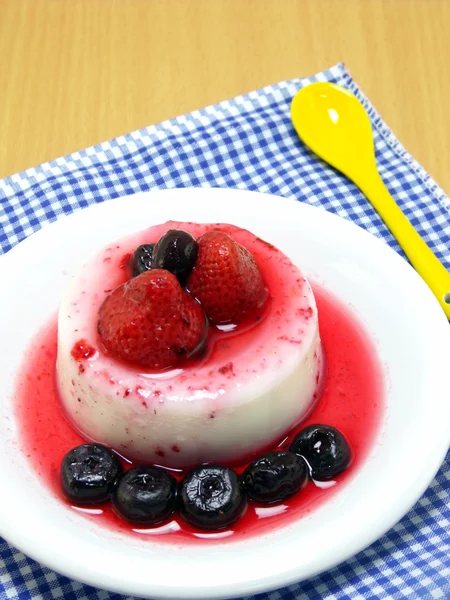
column 249, row 143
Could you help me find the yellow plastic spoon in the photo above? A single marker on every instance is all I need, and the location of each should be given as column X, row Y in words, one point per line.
column 333, row 123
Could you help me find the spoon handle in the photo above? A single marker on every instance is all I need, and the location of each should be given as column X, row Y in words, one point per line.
column 422, row 258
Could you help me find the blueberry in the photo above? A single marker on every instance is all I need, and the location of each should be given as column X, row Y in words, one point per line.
column 274, row 476
column 176, row 251
column 325, row 450
column 212, row 497
column 143, row 259
column 89, row 473
column 145, row 495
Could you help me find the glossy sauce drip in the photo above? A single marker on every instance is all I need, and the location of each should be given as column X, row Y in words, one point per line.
column 352, row 401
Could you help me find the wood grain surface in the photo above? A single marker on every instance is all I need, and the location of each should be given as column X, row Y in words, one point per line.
column 77, row 72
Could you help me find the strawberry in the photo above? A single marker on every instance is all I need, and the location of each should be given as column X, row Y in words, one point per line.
column 226, row 279
column 151, row 321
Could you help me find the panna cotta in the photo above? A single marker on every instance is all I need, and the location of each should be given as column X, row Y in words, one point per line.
column 250, row 386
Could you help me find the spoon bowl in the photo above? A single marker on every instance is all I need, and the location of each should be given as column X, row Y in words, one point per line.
column 335, row 126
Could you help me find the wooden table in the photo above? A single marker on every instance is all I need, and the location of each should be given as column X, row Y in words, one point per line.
column 77, row 72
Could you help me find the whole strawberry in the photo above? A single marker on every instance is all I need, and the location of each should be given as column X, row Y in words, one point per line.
column 151, row 321
column 226, row 279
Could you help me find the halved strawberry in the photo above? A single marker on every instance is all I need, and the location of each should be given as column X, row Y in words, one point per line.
column 226, row 279
column 151, row 321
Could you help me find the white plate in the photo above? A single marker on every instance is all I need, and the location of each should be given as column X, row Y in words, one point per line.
column 413, row 339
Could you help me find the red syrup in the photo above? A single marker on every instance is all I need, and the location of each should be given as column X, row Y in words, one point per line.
column 352, row 401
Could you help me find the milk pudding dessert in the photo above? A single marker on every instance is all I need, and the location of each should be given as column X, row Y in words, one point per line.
column 162, row 375
column 190, row 350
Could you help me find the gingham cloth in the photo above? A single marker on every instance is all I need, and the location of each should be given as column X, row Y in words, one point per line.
column 249, row 143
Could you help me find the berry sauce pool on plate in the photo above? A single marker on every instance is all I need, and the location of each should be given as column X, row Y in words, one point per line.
column 352, row 401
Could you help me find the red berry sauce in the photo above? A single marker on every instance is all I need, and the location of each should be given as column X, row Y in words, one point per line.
column 82, row 350
column 352, row 401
